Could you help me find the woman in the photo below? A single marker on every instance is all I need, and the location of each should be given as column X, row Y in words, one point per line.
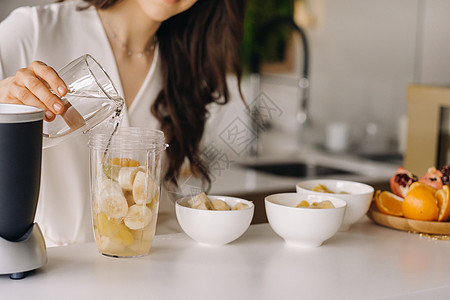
column 169, row 59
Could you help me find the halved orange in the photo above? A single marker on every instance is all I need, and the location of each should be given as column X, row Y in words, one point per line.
column 420, row 204
column 389, row 203
column 424, row 185
column 442, row 197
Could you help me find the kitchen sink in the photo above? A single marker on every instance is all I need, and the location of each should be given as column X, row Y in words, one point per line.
column 297, row 169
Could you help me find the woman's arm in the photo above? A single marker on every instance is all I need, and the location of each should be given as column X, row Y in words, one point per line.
column 22, row 84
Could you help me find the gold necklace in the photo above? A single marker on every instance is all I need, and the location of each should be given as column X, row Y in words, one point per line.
column 147, row 50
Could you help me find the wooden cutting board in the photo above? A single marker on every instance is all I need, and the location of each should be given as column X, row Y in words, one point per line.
column 400, row 223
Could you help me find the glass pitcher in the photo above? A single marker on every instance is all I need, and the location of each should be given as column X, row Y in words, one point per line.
column 91, row 99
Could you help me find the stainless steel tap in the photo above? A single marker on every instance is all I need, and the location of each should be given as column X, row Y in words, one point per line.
column 302, row 113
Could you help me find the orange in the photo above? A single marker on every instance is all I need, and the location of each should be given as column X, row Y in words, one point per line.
column 389, row 203
column 124, row 162
column 416, row 184
column 442, row 197
column 420, row 204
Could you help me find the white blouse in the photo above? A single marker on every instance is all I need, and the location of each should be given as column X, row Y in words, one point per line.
column 56, row 34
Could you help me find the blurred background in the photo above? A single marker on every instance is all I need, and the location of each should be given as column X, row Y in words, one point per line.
column 362, row 56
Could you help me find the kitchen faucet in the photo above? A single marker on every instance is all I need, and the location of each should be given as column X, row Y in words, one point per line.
column 302, row 116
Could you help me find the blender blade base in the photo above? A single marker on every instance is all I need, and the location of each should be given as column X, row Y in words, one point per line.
column 26, row 254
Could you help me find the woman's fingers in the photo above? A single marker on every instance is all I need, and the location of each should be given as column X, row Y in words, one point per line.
column 49, row 75
column 49, row 116
column 33, row 79
column 37, row 85
column 26, row 97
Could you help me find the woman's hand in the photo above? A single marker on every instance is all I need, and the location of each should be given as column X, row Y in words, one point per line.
column 31, row 86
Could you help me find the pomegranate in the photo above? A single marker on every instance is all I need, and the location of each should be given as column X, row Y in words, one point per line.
column 401, row 181
column 445, row 174
column 433, row 178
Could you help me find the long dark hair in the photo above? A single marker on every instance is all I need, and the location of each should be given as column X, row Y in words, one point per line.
column 197, row 48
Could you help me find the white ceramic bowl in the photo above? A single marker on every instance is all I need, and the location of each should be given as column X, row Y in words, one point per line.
column 214, row 227
column 358, row 198
column 304, row 227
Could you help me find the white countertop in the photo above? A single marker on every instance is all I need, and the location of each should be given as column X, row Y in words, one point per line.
column 367, row 262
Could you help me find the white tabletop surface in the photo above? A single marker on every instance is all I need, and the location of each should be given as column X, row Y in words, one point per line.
column 367, row 262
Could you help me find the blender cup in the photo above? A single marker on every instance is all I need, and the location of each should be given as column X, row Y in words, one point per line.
column 125, row 189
